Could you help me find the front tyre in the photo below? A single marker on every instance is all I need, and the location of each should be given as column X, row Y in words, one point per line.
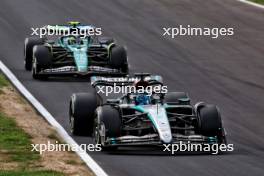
column 28, row 51
column 118, row 59
column 109, row 124
column 42, row 59
column 210, row 123
column 82, row 112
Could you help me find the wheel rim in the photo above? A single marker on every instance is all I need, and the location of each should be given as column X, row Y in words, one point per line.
column 72, row 124
column 34, row 67
column 97, row 136
column 96, row 133
column 25, row 63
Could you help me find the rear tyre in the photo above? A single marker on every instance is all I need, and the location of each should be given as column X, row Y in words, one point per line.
column 28, row 51
column 210, row 123
column 82, row 113
column 108, row 117
column 42, row 59
column 118, row 58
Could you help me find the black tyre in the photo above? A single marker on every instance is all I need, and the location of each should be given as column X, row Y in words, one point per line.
column 118, row 58
column 210, row 123
column 28, row 51
column 177, row 98
column 110, row 118
column 82, row 113
column 42, row 59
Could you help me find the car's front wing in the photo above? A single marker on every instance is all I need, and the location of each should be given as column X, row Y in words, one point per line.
column 71, row 71
column 154, row 139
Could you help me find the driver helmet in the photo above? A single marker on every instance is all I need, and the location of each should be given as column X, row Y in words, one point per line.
column 142, row 98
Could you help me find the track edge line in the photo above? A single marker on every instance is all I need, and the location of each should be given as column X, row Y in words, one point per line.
column 96, row 169
column 251, row 3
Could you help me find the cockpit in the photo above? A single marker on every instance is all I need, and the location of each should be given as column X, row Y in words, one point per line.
column 75, row 40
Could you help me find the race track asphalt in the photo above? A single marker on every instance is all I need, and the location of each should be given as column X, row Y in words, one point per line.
column 228, row 71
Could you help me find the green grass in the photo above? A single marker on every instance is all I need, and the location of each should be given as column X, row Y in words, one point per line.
column 258, row 1
column 17, row 146
column 16, row 141
column 3, row 81
column 30, row 173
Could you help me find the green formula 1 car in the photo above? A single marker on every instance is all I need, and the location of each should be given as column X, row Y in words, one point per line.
column 69, row 55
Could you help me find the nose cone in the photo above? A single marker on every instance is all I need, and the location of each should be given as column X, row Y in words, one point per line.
column 165, row 132
column 81, row 59
column 166, row 137
column 160, row 119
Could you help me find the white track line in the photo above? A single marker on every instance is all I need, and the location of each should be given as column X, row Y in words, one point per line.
column 83, row 155
column 252, row 3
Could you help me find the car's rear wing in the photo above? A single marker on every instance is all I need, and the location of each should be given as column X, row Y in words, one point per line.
column 125, row 81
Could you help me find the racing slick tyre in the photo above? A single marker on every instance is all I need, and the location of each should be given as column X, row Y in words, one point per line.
column 82, row 113
column 210, row 123
column 177, row 98
column 118, row 58
column 42, row 59
column 28, row 51
column 110, row 118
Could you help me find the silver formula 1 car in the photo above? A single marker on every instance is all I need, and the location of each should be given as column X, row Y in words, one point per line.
column 67, row 55
column 143, row 118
